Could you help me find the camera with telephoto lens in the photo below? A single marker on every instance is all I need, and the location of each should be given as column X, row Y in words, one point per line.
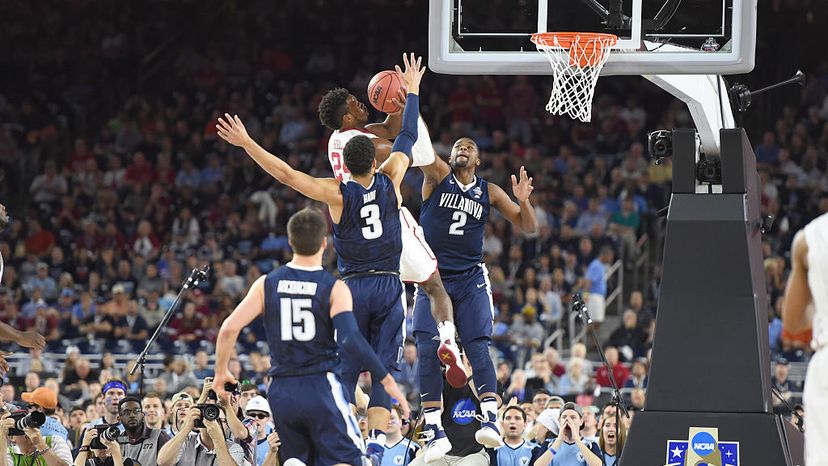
column 23, row 420
column 660, row 144
column 209, row 412
column 110, row 432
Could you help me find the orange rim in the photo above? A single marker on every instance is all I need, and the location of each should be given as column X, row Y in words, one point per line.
column 585, row 48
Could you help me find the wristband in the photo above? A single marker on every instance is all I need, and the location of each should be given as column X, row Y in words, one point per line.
column 44, row 451
column 84, row 448
column 552, row 450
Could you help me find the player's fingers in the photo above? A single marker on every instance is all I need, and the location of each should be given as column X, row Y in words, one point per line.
column 238, row 121
column 530, row 182
column 405, row 61
column 229, row 119
column 514, row 180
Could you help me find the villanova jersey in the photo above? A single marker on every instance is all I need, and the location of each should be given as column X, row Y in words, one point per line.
column 453, row 219
column 368, row 236
column 400, row 454
column 523, row 455
column 297, row 321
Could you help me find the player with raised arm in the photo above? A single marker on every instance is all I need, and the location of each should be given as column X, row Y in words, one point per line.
column 340, row 111
column 456, row 206
column 808, row 283
column 302, row 305
column 365, row 213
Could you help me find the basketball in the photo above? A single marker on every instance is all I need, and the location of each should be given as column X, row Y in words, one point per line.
column 382, row 88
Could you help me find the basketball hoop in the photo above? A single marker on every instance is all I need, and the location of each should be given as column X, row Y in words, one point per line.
column 577, row 59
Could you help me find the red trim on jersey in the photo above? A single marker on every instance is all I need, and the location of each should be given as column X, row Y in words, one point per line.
column 421, row 240
column 361, row 130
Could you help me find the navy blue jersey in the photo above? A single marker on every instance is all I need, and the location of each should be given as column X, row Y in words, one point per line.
column 453, row 220
column 368, row 236
column 298, row 323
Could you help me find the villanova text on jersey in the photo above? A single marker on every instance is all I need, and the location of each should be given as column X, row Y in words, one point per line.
column 297, row 321
column 368, row 236
column 453, row 219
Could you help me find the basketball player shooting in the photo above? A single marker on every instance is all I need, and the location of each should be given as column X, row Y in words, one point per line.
column 343, row 113
column 809, row 282
column 367, row 239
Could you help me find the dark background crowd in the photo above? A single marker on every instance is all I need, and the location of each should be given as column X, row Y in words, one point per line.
column 118, row 185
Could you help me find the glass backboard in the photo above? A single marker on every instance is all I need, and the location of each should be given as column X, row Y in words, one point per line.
column 655, row 36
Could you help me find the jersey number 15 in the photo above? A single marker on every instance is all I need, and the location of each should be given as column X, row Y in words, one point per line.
column 297, row 319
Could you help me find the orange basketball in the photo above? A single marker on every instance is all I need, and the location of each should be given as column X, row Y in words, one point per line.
column 382, row 88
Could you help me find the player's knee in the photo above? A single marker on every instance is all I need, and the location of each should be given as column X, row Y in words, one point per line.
column 379, row 397
column 477, row 352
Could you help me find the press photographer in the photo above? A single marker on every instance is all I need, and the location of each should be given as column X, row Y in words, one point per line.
column 29, row 446
column 205, row 446
column 99, row 448
column 139, row 442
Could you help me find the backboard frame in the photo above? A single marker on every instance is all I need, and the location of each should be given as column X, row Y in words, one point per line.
column 445, row 56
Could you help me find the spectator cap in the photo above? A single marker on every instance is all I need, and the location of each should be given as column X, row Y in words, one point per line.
column 549, row 419
column 258, row 403
column 782, row 361
column 180, row 396
column 555, row 398
column 42, row 265
column 42, row 397
column 72, row 349
column 118, row 288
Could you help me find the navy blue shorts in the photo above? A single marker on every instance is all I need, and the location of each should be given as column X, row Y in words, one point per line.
column 471, row 296
column 379, row 309
column 314, row 421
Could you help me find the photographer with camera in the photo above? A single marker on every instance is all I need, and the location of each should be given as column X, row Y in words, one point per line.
column 29, row 446
column 205, row 446
column 108, row 453
column 139, row 442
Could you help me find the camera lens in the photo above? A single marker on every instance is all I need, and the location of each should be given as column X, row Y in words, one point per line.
column 111, row 433
column 210, row 412
column 32, row 420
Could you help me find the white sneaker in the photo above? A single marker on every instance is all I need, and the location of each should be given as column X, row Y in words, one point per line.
column 489, row 434
column 438, row 444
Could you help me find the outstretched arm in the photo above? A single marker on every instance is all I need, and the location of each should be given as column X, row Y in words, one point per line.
column 326, row 190
column 399, row 160
column 521, row 214
column 797, row 292
column 352, row 341
column 251, row 307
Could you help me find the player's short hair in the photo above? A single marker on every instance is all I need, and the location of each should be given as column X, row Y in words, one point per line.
column 127, row 399
column 359, row 155
column 515, row 408
column 306, row 229
column 332, row 107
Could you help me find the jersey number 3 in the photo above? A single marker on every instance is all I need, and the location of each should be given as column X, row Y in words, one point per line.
column 297, row 320
column 459, row 218
column 373, row 225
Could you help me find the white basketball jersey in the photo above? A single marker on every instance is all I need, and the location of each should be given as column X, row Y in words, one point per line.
column 335, row 146
column 816, row 236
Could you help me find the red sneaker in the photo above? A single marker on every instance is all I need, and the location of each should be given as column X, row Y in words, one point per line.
column 449, row 355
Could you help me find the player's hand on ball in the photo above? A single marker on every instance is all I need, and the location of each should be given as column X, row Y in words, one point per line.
column 394, row 392
column 523, row 188
column 413, row 73
column 399, row 101
column 232, row 130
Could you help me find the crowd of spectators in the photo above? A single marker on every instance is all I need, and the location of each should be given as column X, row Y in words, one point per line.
column 111, row 211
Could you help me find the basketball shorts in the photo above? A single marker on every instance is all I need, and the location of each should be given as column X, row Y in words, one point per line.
column 379, row 309
column 314, row 421
column 417, row 263
column 471, row 296
column 815, row 399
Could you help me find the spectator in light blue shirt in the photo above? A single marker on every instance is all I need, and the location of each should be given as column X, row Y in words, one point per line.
column 596, row 275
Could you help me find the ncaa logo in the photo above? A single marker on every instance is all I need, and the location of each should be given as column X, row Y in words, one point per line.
column 398, row 460
column 463, row 411
column 703, row 443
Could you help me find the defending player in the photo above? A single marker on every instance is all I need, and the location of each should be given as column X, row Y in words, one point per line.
column 302, row 306
column 455, row 209
column 809, row 282
column 365, row 212
column 340, row 111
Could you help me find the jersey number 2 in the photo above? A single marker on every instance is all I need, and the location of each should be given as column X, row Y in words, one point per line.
column 297, row 320
column 373, row 225
column 459, row 218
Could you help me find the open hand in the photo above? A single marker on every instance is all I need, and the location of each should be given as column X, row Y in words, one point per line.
column 232, row 130
column 413, row 73
column 394, row 392
column 523, row 188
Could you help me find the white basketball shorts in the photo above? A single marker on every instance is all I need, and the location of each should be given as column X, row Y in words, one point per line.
column 815, row 399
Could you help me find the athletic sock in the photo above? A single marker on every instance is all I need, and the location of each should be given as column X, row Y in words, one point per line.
column 489, row 407
column 446, row 330
column 376, row 436
column 432, row 417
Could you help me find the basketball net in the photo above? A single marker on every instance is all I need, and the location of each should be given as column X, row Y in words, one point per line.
column 577, row 59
